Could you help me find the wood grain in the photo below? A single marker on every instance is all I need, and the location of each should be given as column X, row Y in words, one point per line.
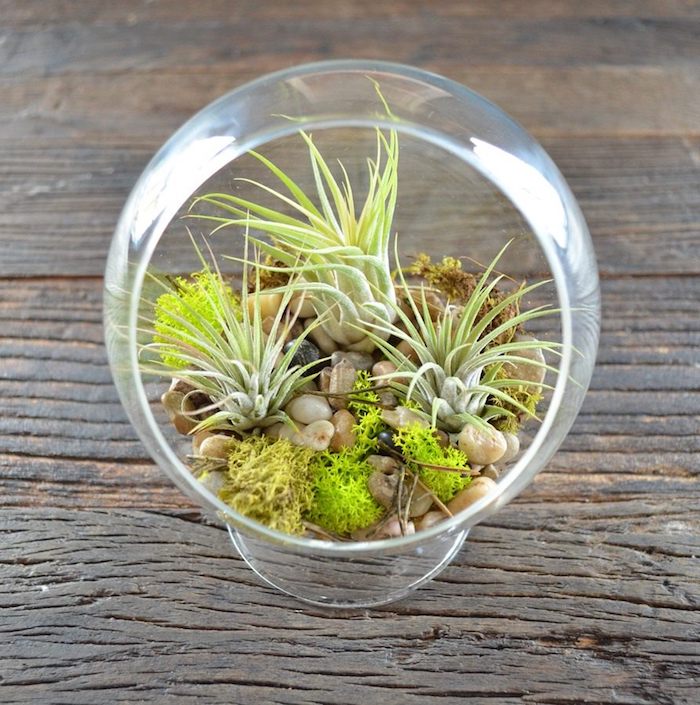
column 567, row 604
column 113, row 587
column 635, row 193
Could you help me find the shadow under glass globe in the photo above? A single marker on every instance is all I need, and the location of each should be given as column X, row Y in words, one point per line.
column 470, row 182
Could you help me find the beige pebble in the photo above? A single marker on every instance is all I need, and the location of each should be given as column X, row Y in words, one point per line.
column 317, row 435
column 341, row 382
column 216, row 446
column 387, row 398
column 482, row 446
column 294, row 331
column 490, row 471
column 383, row 487
column 429, row 519
column 405, row 347
column 197, row 440
column 359, row 360
column 402, row 416
column 384, row 463
column 301, row 305
column 383, row 367
column 213, row 480
column 478, row 488
column 307, row 408
column 512, row 447
column 324, row 379
column 323, row 341
column 392, row 529
column 443, row 438
column 268, row 304
column 176, row 406
column 421, row 501
column 343, row 437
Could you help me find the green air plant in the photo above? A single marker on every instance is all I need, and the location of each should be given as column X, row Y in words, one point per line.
column 205, row 337
column 460, row 357
column 341, row 256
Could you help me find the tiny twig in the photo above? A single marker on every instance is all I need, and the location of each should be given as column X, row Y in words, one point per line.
column 438, row 502
column 316, row 529
column 407, row 508
column 399, row 497
column 443, row 468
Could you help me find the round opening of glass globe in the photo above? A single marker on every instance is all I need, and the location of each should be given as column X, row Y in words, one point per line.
column 352, row 308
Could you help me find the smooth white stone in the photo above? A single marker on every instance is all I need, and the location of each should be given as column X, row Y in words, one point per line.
column 308, row 408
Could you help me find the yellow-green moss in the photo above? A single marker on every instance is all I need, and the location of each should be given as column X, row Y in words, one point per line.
column 196, row 301
column 418, row 443
column 342, row 502
column 269, row 481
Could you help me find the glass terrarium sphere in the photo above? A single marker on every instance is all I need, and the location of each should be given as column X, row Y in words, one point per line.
column 471, row 182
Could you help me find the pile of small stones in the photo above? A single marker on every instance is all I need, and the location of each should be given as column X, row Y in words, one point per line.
column 324, row 422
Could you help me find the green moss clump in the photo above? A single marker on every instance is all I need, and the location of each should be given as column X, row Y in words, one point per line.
column 193, row 302
column 269, row 481
column 418, row 443
column 368, row 414
column 342, row 501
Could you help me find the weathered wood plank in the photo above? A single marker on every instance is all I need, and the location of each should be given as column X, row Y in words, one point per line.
column 549, row 100
column 100, row 47
column 39, row 13
column 559, row 604
column 59, row 203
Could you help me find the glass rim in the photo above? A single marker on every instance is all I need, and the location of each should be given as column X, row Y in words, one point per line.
column 517, row 477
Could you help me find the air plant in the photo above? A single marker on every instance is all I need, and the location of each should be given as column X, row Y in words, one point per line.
column 340, row 256
column 463, row 356
column 221, row 350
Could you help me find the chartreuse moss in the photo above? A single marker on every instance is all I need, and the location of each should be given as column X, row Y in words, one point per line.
column 342, row 501
column 418, row 443
column 191, row 302
column 269, row 481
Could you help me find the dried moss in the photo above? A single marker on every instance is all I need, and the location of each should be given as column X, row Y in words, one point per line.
column 262, row 278
column 448, row 276
column 457, row 285
column 269, row 481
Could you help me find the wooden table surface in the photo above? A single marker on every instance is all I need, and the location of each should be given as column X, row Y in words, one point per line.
column 113, row 588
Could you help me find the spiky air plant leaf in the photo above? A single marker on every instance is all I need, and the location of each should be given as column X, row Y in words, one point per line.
column 461, row 357
column 221, row 349
column 340, row 253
